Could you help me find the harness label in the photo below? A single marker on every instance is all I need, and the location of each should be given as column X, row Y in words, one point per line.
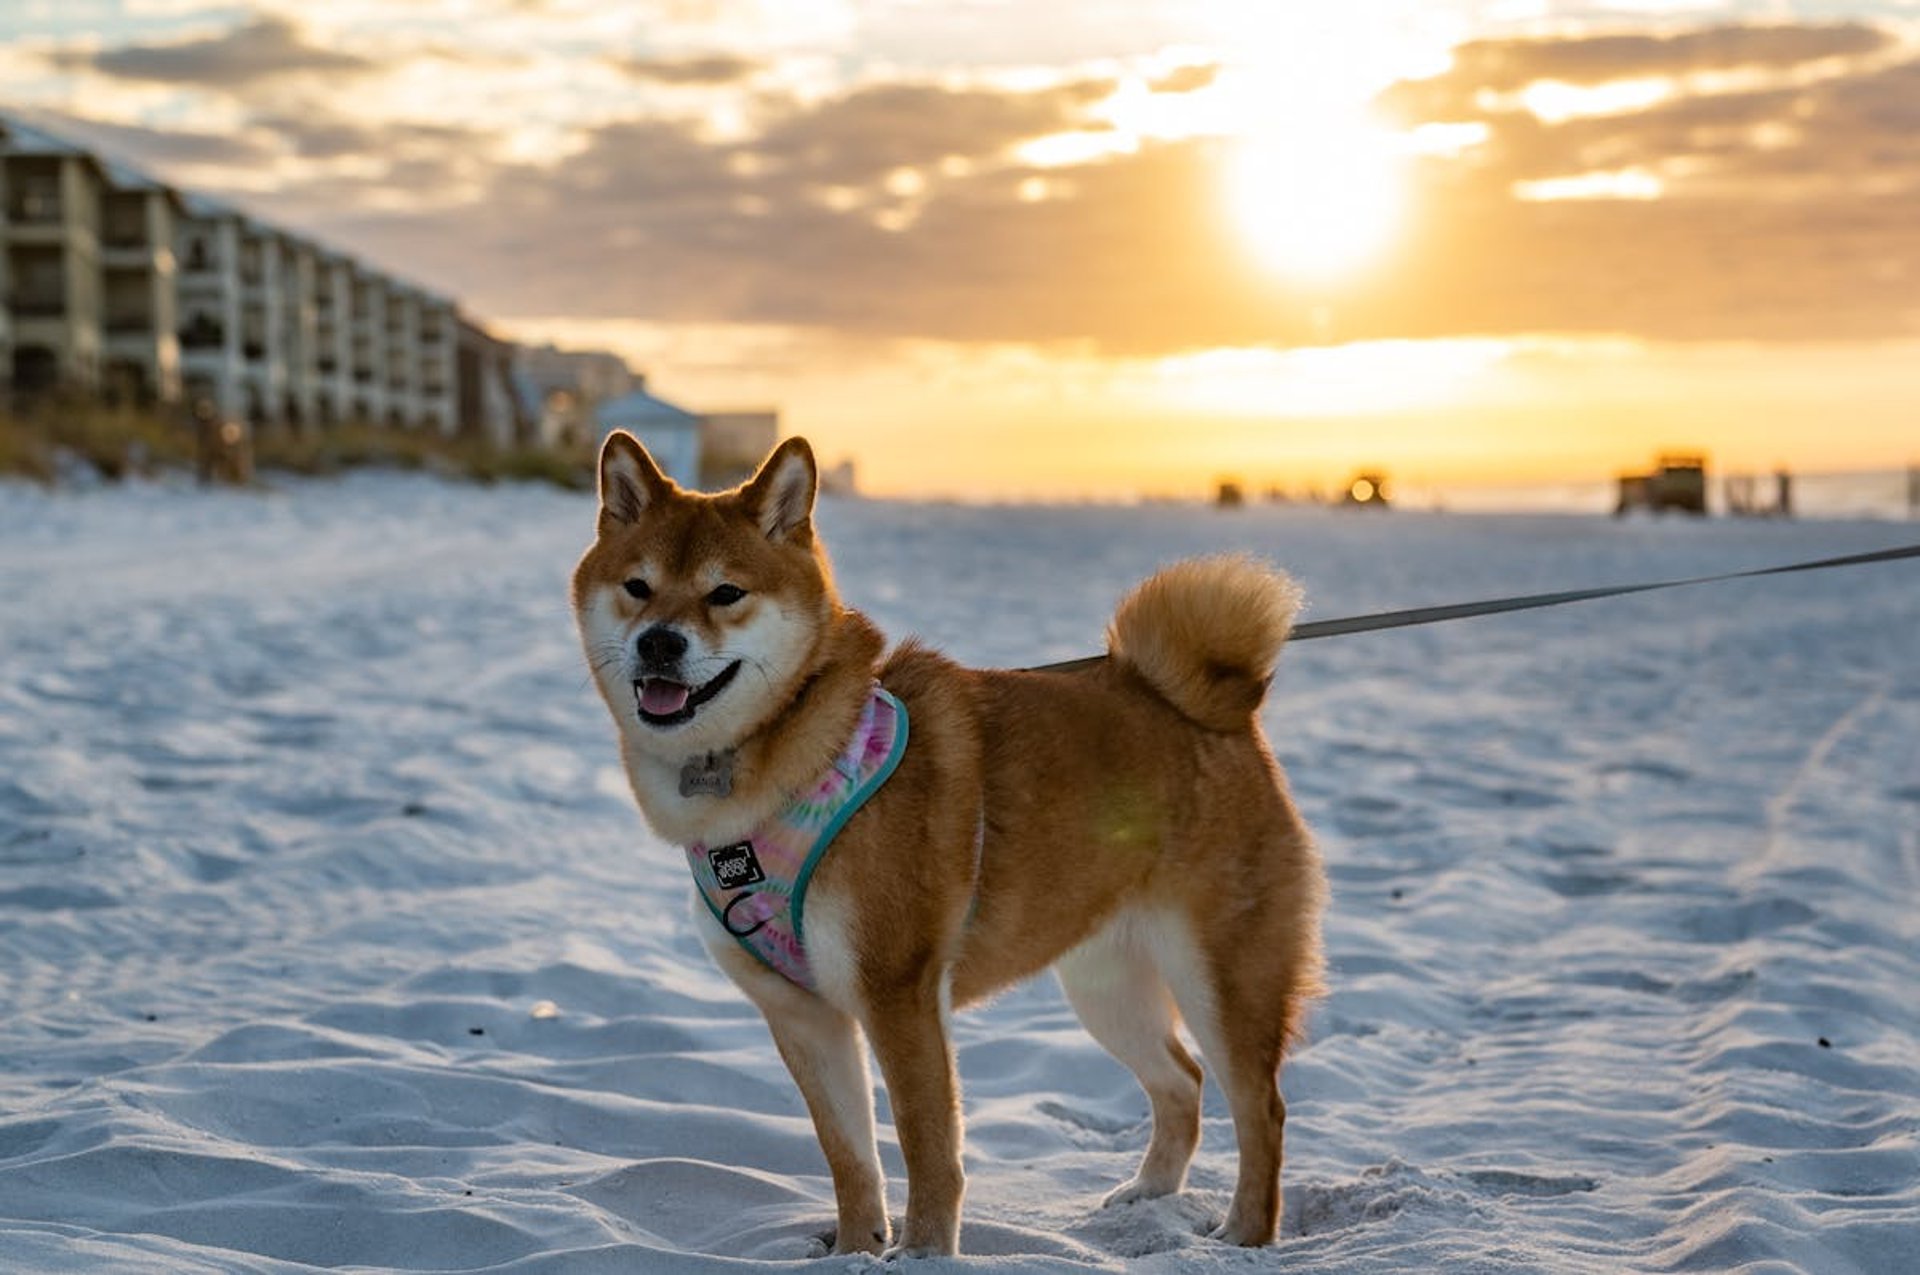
column 735, row 865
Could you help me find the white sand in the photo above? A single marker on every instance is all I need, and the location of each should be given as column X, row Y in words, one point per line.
column 306, row 807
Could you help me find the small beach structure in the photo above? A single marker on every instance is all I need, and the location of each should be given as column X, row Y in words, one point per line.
column 1745, row 501
column 1367, row 491
column 1678, row 481
column 670, row 434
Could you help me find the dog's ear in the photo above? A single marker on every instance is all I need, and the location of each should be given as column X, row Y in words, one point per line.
column 630, row 483
column 781, row 494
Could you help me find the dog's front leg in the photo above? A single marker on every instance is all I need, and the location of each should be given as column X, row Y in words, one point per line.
column 822, row 1048
column 908, row 1028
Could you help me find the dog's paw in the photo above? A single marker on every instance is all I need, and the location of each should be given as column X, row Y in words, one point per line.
column 1138, row 1188
column 875, row 1242
column 937, row 1246
column 899, row 1251
column 1231, row 1232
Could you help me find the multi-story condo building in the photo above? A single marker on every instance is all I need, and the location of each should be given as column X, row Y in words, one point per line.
column 332, row 329
column 114, row 283
column 207, row 245
column 52, row 241
column 567, row 385
column 6, row 289
column 265, row 370
column 402, row 342
column 139, row 288
column 296, row 332
column 367, row 339
column 439, row 388
column 489, row 408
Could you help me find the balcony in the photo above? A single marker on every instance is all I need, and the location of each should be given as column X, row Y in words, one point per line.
column 122, row 324
column 203, row 333
column 39, row 305
column 36, row 205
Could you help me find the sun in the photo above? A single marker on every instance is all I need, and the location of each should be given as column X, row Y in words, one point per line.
column 1313, row 185
column 1315, row 203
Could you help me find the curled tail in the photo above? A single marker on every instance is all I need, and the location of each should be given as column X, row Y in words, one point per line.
column 1205, row 634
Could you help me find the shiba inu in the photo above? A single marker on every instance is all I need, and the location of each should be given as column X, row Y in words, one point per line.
column 1124, row 823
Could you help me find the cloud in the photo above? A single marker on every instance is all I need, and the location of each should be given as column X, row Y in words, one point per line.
column 1187, row 79
column 903, row 208
column 1482, row 67
column 870, row 131
column 702, row 71
column 259, row 50
column 161, row 148
column 318, row 136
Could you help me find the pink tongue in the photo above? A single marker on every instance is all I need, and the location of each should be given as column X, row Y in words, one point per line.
column 661, row 697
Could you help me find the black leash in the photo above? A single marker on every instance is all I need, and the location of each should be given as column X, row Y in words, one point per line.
column 1495, row 606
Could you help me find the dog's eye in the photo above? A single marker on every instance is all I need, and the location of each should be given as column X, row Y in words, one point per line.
column 637, row 588
column 726, row 595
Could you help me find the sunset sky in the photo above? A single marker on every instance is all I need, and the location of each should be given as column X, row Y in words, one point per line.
column 1101, row 247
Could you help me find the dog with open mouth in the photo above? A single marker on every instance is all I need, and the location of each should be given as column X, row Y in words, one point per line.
column 876, row 837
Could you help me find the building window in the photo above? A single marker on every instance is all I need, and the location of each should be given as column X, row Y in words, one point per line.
column 202, row 332
column 36, row 199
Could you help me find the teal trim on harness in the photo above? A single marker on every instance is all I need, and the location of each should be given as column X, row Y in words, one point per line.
column 846, row 812
column 766, row 875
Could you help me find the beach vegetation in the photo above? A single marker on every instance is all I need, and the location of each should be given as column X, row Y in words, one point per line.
column 77, row 436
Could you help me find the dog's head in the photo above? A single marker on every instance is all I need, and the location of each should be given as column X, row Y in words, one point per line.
column 700, row 614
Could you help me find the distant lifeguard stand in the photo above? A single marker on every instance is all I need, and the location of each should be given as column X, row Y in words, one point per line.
column 1677, row 482
column 1367, row 491
column 1743, row 500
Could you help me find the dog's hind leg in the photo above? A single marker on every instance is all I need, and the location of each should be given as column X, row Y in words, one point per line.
column 1125, row 1005
column 822, row 1047
column 1250, row 1076
column 1239, row 1000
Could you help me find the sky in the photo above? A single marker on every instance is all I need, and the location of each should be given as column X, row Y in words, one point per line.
column 1101, row 248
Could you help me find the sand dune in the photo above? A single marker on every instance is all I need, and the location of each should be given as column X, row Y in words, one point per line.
column 330, row 938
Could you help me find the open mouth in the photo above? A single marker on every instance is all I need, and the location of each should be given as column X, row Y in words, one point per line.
column 661, row 701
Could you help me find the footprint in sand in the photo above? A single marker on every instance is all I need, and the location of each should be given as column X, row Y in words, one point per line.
column 1091, row 1121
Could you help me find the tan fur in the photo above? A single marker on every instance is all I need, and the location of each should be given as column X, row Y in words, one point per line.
column 1135, row 822
column 1206, row 634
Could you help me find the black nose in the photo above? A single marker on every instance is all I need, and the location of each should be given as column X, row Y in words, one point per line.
column 660, row 646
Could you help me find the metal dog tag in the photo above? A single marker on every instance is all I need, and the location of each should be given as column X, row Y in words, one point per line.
column 711, row 775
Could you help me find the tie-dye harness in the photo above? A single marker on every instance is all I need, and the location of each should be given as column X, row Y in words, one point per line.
column 757, row 887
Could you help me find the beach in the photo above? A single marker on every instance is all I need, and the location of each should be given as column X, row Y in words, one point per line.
column 331, row 938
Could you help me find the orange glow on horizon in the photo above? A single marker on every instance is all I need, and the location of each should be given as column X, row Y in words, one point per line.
column 926, row 419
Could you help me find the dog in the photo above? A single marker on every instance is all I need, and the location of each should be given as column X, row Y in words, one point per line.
column 1125, row 823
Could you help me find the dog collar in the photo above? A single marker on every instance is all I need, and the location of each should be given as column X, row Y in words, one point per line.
column 757, row 887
